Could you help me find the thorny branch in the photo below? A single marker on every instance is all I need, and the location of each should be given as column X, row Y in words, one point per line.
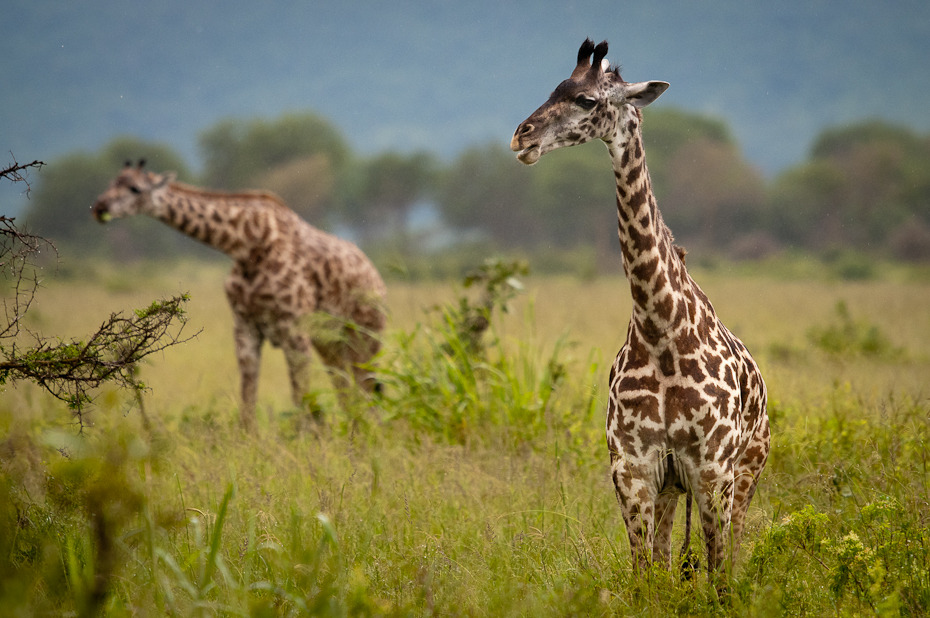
column 69, row 370
column 18, row 250
column 14, row 172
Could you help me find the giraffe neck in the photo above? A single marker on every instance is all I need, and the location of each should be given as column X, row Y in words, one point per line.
column 659, row 282
column 231, row 223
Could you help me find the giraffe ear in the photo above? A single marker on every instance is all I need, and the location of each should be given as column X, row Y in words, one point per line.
column 641, row 94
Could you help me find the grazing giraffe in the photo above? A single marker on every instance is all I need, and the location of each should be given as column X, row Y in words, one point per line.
column 284, row 271
column 687, row 403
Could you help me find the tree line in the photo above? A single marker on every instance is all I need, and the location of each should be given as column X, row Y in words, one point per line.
column 863, row 187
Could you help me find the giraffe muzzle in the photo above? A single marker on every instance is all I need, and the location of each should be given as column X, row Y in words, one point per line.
column 528, row 154
column 100, row 212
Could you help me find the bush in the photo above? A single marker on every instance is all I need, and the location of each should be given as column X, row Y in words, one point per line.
column 846, row 336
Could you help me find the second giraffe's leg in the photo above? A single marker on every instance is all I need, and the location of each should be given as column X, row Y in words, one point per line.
column 666, row 504
column 339, row 370
column 297, row 355
column 364, row 348
column 248, row 354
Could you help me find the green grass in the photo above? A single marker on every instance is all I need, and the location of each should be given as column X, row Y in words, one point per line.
column 479, row 484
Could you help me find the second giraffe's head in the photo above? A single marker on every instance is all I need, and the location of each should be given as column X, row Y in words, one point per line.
column 130, row 193
column 590, row 104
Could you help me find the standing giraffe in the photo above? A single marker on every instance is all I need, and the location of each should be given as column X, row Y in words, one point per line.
column 686, row 411
column 284, row 270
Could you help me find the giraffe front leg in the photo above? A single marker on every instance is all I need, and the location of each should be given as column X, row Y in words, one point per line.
column 637, row 505
column 248, row 354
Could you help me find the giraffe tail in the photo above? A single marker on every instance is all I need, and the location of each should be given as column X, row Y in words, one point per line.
column 687, row 559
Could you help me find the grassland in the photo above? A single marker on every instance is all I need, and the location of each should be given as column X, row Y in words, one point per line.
column 478, row 485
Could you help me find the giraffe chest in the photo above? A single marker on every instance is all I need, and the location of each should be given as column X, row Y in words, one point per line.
column 688, row 407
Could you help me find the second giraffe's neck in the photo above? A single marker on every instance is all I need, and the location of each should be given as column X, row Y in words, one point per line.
column 230, row 223
column 654, row 269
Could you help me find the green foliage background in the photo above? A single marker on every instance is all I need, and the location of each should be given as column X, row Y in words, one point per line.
column 865, row 189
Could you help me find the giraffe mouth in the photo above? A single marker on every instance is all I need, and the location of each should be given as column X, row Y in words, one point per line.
column 101, row 214
column 529, row 155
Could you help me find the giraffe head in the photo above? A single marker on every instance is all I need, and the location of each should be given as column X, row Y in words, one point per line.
column 130, row 193
column 591, row 104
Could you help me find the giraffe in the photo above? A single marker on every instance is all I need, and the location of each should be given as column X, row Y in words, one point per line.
column 291, row 283
column 686, row 411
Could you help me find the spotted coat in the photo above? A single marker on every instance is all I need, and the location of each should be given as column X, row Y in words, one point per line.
column 291, row 284
column 687, row 403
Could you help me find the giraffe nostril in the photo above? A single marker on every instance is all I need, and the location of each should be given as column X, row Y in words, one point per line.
column 524, row 129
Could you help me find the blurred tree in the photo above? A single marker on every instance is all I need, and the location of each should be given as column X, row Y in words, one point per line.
column 574, row 195
column 487, row 190
column 391, row 183
column 862, row 185
column 238, row 154
column 60, row 206
column 836, row 141
column 713, row 196
column 804, row 205
column 306, row 185
column 666, row 131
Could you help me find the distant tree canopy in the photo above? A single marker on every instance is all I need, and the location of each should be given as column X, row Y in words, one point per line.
column 487, row 190
column 301, row 156
column 386, row 189
column 864, row 186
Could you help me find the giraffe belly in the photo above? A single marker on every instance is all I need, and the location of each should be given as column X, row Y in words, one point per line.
column 671, row 431
column 642, row 454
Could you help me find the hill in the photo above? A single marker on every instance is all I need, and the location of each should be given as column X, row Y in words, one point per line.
column 409, row 74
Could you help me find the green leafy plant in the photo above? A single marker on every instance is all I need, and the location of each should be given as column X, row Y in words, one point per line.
column 845, row 336
column 499, row 281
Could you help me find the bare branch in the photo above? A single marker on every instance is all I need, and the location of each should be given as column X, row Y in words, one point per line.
column 19, row 252
column 15, row 172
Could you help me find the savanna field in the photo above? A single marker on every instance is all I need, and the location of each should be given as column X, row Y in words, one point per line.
column 478, row 484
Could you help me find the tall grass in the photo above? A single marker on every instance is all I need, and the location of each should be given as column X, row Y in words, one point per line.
column 478, row 484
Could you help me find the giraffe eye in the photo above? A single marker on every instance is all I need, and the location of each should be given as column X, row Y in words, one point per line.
column 134, row 189
column 585, row 102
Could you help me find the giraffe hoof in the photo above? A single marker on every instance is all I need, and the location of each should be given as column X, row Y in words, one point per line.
column 689, row 566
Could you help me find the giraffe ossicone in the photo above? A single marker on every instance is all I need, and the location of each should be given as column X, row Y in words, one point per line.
column 284, row 270
column 687, row 402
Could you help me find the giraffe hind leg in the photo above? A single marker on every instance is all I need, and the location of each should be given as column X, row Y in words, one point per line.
column 297, row 355
column 748, row 470
column 666, row 505
column 715, row 507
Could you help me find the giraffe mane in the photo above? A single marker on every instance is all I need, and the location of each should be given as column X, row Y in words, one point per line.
column 214, row 194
